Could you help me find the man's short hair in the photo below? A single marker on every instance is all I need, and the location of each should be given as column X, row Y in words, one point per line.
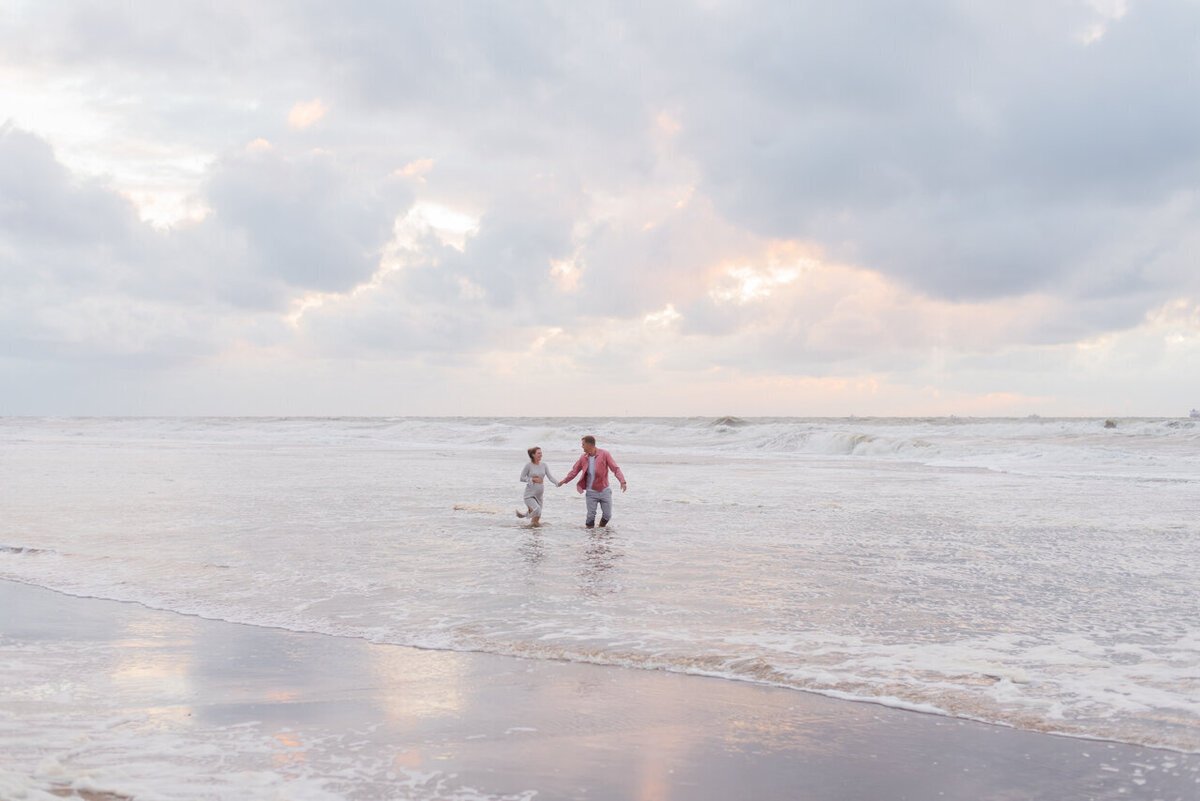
column 589, row 439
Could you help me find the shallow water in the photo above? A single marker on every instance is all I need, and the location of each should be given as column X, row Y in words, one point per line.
column 1038, row 573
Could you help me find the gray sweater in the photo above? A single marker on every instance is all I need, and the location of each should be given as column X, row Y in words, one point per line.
column 531, row 471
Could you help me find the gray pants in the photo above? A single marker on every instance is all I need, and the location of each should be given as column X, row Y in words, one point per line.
column 604, row 498
column 534, row 501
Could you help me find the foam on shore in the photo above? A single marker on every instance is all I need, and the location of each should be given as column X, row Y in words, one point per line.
column 107, row 700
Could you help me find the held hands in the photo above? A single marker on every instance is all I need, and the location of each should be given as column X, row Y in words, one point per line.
column 564, row 481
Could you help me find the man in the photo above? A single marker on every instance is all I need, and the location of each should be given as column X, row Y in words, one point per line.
column 594, row 466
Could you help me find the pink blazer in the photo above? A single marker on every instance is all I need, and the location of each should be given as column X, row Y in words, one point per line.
column 604, row 463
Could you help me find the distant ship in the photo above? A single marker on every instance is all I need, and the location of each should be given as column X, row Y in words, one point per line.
column 1195, row 415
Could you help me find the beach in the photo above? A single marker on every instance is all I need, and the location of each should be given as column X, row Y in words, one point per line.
column 106, row 700
column 318, row 609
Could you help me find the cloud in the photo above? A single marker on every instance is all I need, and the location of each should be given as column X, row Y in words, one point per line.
column 305, row 115
column 45, row 207
column 84, row 276
column 798, row 198
column 915, row 144
column 305, row 221
column 418, row 168
column 1107, row 12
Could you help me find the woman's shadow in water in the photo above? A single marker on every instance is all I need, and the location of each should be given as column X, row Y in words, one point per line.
column 533, row 549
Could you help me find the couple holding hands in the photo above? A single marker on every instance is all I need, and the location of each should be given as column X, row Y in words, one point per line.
column 592, row 468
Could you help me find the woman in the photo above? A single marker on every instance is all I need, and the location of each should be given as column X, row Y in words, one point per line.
column 534, row 476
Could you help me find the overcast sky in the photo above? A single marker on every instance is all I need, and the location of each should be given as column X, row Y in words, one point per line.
column 645, row 208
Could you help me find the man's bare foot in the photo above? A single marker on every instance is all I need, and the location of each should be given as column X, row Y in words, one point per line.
column 536, row 522
column 603, row 523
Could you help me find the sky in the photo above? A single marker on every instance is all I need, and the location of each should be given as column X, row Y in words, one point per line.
column 286, row 207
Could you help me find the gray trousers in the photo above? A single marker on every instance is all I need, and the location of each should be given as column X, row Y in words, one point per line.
column 534, row 501
column 604, row 498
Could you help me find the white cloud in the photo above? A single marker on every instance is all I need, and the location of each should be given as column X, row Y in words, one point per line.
column 417, row 168
column 741, row 284
column 1107, row 12
column 450, row 226
column 305, row 115
column 566, row 274
column 663, row 319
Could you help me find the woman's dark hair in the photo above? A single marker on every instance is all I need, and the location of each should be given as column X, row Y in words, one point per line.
column 531, row 452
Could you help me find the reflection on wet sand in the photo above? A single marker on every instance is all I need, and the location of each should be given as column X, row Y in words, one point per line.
column 292, row 754
column 367, row 721
column 152, row 667
column 438, row 693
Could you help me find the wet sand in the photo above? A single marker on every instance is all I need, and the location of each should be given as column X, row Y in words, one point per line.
column 365, row 721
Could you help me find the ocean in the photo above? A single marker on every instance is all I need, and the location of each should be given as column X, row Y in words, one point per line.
column 1038, row 573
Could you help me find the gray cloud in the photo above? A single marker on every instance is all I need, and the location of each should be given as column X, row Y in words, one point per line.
column 47, row 217
column 966, row 151
column 970, row 152
column 308, row 221
column 84, row 278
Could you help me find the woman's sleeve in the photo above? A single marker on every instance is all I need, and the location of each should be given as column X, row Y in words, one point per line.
column 525, row 473
column 552, row 478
